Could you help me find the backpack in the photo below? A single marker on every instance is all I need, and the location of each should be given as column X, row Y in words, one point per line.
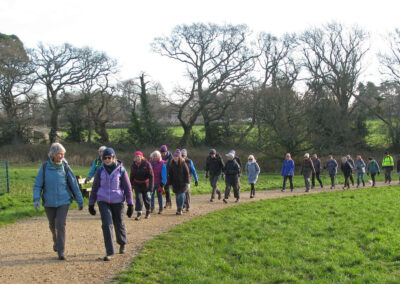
column 66, row 170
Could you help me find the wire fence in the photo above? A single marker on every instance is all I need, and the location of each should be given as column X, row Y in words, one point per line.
column 4, row 177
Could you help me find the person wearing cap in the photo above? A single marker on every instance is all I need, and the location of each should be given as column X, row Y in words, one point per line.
column 347, row 170
column 232, row 171
column 214, row 167
column 373, row 169
column 331, row 166
column 307, row 168
column 252, row 169
column 317, row 166
column 167, row 158
column 179, row 179
column 96, row 163
column 142, row 180
column 111, row 187
column 160, row 178
column 388, row 165
column 192, row 171
column 56, row 185
column 351, row 162
column 287, row 171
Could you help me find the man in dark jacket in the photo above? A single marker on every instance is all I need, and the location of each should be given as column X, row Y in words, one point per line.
column 347, row 170
column 214, row 167
column 317, row 166
column 167, row 157
column 351, row 162
column 232, row 172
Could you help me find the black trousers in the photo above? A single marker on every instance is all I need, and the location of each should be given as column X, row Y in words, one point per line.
column 316, row 175
column 228, row 185
column 373, row 179
column 142, row 195
column 290, row 181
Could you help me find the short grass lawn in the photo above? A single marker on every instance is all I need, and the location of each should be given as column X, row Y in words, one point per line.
column 333, row 237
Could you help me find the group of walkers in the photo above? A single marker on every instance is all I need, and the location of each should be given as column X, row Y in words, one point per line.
column 312, row 167
column 57, row 186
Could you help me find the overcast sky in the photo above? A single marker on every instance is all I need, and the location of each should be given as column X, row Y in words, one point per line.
column 124, row 29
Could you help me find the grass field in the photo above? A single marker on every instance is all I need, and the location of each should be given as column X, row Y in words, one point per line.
column 338, row 237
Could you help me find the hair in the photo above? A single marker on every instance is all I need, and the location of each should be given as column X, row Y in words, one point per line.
column 306, row 155
column 344, row 159
column 55, row 148
column 370, row 158
column 155, row 153
column 180, row 160
column 102, row 148
column 315, row 156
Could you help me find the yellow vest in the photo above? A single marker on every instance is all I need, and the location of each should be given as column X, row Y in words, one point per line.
column 388, row 161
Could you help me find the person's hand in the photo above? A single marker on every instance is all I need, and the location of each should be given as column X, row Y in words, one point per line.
column 80, row 207
column 92, row 211
column 129, row 212
column 196, row 183
column 37, row 205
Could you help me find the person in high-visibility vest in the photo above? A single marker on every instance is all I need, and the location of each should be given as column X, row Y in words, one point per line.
column 388, row 165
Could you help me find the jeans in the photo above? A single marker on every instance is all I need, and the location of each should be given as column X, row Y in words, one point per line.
column 159, row 197
column 332, row 176
column 307, row 180
column 141, row 196
column 112, row 215
column 290, row 180
column 362, row 178
column 180, row 200
column 57, row 217
column 373, row 179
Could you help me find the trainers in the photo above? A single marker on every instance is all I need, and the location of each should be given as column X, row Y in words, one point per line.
column 122, row 249
column 224, row 200
column 107, row 258
column 237, row 200
column 283, row 190
column 179, row 212
column 139, row 214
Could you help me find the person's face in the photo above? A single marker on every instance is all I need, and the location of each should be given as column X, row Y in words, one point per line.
column 57, row 157
column 176, row 158
column 163, row 154
column 358, row 157
column 212, row 156
column 100, row 153
column 330, row 158
column 156, row 158
column 138, row 158
column 108, row 160
column 250, row 159
column 288, row 157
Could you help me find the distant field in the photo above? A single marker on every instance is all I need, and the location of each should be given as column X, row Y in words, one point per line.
column 332, row 237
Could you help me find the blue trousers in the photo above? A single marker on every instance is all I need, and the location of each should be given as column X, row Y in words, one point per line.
column 180, row 200
column 159, row 197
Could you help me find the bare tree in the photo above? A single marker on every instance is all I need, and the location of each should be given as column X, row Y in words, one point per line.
column 390, row 61
column 217, row 59
column 16, row 82
column 333, row 56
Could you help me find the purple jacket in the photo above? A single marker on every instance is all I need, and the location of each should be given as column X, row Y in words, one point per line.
column 287, row 168
column 160, row 172
column 113, row 188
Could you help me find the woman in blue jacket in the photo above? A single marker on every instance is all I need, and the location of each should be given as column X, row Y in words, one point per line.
column 56, row 185
column 287, row 171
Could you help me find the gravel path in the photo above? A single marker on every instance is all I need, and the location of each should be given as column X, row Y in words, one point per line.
column 26, row 248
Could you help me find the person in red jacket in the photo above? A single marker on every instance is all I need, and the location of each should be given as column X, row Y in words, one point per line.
column 142, row 179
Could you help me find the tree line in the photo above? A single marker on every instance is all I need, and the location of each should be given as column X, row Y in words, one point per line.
column 293, row 93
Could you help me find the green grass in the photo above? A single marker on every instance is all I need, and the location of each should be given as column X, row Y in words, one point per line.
column 338, row 237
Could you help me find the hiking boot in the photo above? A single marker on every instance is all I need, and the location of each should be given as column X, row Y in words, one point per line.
column 291, row 189
column 307, row 190
column 224, row 200
column 211, row 200
column 55, row 247
column 122, row 249
column 179, row 212
column 147, row 216
column 107, row 258
column 62, row 257
column 187, row 209
column 237, row 200
column 283, row 190
column 139, row 214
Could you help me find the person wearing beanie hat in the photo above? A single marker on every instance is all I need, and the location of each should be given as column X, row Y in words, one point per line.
column 237, row 159
column 142, row 180
column 167, row 158
column 192, row 171
column 232, row 171
column 111, row 187
column 307, row 168
column 160, row 178
column 252, row 170
column 179, row 179
column 96, row 163
column 214, row 167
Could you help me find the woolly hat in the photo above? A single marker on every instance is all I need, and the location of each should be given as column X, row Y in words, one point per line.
column 138, row 153
column 213, row 151
column 178, row 153
column 164, row 148
column 108, row 152
column 184, row 152
column 230, row 154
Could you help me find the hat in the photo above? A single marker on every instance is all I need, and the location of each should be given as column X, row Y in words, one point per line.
column 137, row 153
column 178, row 153
column 213, row 151
column 184, row 152
column 108, row 152
column 306, row 155
column 230, row 154
column 233, row 152
column 164, row 148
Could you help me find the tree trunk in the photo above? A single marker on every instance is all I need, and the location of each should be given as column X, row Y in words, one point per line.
column 185, row 140
column 100, row 128
column 54, row 125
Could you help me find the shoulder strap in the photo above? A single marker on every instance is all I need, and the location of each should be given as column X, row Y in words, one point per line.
column 44, row 165
column 122, row 171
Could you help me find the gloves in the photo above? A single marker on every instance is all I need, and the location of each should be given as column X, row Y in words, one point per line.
column 196, row 183
column 80, row 207
column 37, row 205
column 129, row 212
column 92, row 211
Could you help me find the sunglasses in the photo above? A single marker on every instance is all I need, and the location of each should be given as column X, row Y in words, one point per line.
column 107, row 158
column 250, row 159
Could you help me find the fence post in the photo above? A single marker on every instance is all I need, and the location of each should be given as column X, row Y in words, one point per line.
column 8, row 177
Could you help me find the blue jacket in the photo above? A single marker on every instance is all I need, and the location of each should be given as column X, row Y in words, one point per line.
column 192, row 169
column 56, row 192
column 96, row 163
column 331, row 166
column 252, row 170
column 287, row 168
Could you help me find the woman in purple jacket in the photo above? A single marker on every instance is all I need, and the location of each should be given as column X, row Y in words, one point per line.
column 160, row 178
column 111, row 187
column 287, row 171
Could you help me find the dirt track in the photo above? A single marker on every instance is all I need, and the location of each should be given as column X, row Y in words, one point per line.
column 26, row 253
